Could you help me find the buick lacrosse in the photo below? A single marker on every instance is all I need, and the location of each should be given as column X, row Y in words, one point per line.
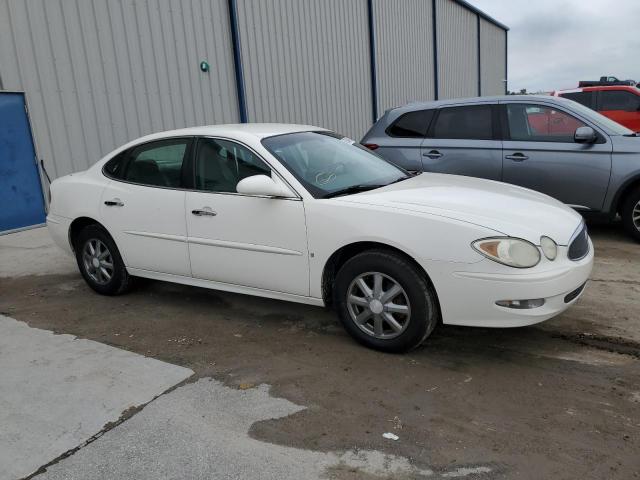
column 303, row 214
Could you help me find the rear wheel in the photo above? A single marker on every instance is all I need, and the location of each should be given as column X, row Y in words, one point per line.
column 630, row 213
column 100, row 262
column 385, row 302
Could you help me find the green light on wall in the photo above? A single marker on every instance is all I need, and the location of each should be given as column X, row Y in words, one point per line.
column 204, row 66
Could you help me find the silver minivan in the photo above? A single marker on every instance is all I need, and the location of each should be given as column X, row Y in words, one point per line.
column 549, row 144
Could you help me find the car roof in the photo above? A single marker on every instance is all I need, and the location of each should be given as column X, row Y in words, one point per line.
column 596, row 88
column 256, row 130
column 475, row 100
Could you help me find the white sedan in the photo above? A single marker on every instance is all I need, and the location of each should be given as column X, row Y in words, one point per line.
column 302, row 214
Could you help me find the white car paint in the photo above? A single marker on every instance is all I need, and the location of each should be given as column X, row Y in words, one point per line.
column 279, row 247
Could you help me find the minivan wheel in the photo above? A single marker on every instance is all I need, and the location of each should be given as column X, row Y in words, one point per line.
column 385, row 302
column 630, row 213
column 100, row 262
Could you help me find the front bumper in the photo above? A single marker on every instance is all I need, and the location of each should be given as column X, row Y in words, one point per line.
column 468, row 296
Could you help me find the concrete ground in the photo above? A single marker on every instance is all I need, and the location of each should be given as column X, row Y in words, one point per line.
column 56, row 392
column 557, row 400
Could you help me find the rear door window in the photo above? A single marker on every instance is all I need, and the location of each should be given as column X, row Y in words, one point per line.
column 158, row 163
column 472, row 122
column 583, row 98
column 411, row 124
column 619, row 100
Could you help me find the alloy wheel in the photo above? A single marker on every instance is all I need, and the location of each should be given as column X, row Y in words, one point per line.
column 98, row 261
column 378, row 305
column 635, row 216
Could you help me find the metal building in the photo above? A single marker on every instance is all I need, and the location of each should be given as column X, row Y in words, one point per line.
column 95, row 74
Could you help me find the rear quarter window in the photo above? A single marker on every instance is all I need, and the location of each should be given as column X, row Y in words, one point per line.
column 114, row 168
column 411, row 124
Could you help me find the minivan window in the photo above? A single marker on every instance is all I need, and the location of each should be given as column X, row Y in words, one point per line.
column 221, row 164
column 470, row 123
column 411, row 124
column 539, row 123
column 619, row 100
column 157, row 163
column 583, row 98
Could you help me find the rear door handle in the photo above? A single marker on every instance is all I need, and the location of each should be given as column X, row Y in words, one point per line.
column 517, row 157
column 204, row 212
column 432, row 154
column 116, row 202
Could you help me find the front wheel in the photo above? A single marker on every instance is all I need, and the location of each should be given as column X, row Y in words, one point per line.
column 630, row 213
column 385, row 302
column 100, row 262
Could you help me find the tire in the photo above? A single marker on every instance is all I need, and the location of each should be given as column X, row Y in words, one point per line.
column 631, row 208
column 413, row 324
column 112, row 277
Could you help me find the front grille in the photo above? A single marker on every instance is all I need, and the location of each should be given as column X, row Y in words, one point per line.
column 573, row 295
column 579, row 247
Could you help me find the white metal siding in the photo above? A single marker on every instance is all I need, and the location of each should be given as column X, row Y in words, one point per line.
column 404, row 51
column 98, row 74
column 492, row 58
column 457, row 30
column 307, row 61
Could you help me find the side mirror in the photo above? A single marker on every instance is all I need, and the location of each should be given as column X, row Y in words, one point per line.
column 585, row 135
column 263, row 186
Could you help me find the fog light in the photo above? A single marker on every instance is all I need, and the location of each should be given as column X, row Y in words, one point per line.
column 521, row 304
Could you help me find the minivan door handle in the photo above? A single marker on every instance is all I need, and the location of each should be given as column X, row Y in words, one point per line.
column 517, row 157
column 432, row 154
column 116, row 202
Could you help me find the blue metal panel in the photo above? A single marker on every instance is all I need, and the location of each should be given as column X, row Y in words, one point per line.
column 21, row 201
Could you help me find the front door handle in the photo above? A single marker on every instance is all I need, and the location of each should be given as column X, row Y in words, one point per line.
column 204, row 212
column 116, row 202
column 433, row 154
column 517, row 157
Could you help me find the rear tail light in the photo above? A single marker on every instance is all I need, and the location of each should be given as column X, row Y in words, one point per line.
column 371, row 146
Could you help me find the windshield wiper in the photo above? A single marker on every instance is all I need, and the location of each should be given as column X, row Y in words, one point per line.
column 634, row 134
column 404, row 178
column 361, row 188
column 352, row 189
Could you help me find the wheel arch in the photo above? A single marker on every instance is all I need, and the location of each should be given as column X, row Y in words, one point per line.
column 78, row 224
column 344, row 253
column 623, row 192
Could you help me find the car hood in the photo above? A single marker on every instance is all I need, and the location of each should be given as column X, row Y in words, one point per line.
column 504, row 208
column 623, row 144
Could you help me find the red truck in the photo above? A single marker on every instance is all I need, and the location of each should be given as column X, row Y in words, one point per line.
column 620, row 102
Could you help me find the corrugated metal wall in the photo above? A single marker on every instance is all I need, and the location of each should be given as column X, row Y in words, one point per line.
column 492, row 58
column 457, row 30
column 98, row 74
column 307, row 61
column 404, row 51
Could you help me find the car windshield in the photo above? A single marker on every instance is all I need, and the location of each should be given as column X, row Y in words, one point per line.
column 328, row 164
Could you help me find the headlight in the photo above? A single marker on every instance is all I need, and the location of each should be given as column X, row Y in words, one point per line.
column 514, row 252
column 549, row 248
